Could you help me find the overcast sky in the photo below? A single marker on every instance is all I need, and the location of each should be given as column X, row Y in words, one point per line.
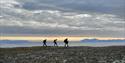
column 103, row 18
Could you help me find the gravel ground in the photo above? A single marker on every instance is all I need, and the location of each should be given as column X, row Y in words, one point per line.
column 112, row 54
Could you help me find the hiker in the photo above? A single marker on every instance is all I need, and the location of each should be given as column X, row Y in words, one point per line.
column 55, row 42
column 66, row 42
column 44, row 42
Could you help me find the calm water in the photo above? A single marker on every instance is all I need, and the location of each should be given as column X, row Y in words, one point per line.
column 7, row 43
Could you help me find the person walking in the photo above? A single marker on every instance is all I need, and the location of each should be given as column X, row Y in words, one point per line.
column 44, row 42
column 66, row 42
column 55, row 42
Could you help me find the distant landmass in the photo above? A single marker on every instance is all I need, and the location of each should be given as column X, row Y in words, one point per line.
column 14, row 42
column 18, row 43
column 24, row 43
column 96, row 40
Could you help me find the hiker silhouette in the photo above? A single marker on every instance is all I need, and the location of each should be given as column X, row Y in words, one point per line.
column 66, row 42
column 44, row 42
column 55, row 42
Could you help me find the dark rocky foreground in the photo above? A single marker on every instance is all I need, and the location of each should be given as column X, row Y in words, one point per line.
column 113, row 54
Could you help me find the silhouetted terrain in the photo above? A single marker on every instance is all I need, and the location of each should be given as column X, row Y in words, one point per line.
column 113, row 54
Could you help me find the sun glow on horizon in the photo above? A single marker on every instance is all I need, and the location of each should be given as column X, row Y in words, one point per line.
column 60, row 38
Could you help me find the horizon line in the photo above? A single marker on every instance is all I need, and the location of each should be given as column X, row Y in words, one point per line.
column 72, row 38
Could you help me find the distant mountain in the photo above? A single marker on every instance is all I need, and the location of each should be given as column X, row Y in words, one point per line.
column 96, row 40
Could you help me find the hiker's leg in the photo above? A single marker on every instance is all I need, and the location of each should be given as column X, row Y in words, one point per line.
column 65, row 45
column 46, row 45
column 56, row 45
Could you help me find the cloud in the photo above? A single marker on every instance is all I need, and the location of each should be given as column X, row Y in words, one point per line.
column 55, row 21
column 67, row 20
column 1, row 16
column 9, row 3
column 101, row 6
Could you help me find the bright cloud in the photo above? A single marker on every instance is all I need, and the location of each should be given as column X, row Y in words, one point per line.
column 9, row 3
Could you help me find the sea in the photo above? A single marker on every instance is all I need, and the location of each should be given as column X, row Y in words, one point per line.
column 91, row 43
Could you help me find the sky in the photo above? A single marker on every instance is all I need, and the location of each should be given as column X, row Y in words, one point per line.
column 98, row 18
